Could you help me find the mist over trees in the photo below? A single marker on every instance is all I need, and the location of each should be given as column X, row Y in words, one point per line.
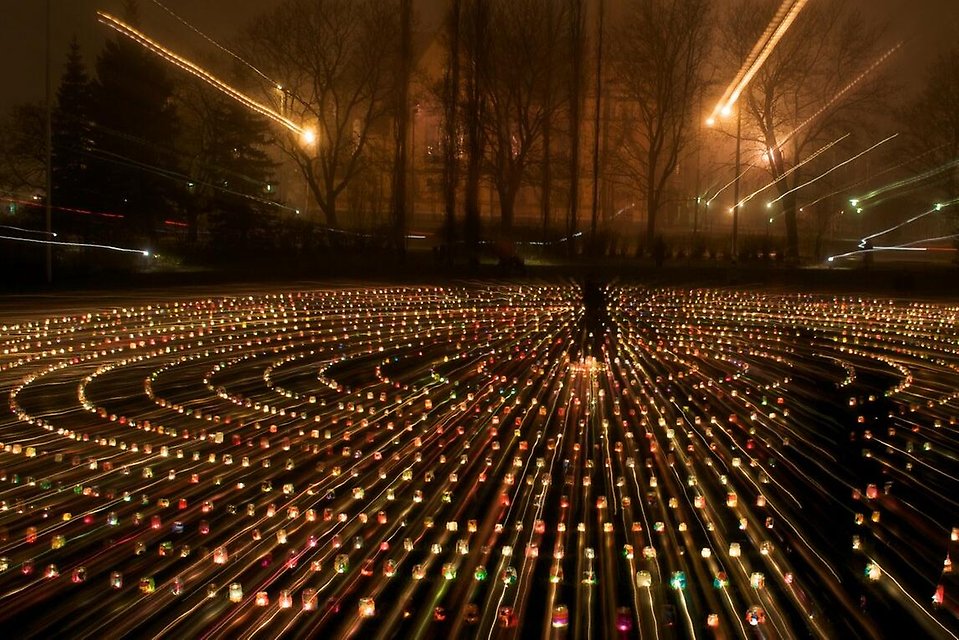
column 485, row 124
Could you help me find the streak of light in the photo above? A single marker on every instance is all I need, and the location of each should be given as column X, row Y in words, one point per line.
column 908, row 246
column 87, row 245
column 916, row 602
column 785, row 174
column 85, row 212
column 39, row 232
column 216, row 44
column 935, row 208
column 907, row 181
column 777, row 28
column 826, row 173
column 876, row 64
column 197, row 71
column 731, row 183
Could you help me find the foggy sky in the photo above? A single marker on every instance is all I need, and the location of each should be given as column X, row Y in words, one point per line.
column 926, row 27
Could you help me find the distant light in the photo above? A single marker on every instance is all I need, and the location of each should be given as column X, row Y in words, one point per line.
column 938, row 206
column 769, row 205
column 770, row 220
column 854, row 202
column 859, row 210
column 710, row 122
column 146, row 254
column 726, row 110
column 308, row 137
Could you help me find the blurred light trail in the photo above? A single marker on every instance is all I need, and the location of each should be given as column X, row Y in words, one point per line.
column 792, row 169
column 216, row 44
column 939, row 206
column 86, row 212
column 777, row 28
column 198, row 72
column 893, row 186
column 869, row 178
column 731, row 183
column 87, row 245
column 483, row 461
column 906, row 246
column 875, row 65
column 826, row 173
column 39, row 232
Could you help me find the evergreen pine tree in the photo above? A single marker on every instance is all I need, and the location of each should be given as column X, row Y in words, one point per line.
column 135, row 126
column 71, row 140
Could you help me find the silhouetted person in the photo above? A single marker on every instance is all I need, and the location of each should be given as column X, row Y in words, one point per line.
column 659, row 251
column 594, row 316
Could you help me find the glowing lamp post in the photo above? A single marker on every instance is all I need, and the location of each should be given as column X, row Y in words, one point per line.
column 725, row 111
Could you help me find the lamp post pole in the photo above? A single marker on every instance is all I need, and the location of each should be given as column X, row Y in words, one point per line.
column 739, row 140
column 49, row 125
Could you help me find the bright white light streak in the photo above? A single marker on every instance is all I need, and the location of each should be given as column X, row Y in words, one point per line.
column 215, row 43
column 791, row 170
column 731, row 182
column 937, row 207
column 36, row 231
column 191, row 68
column 843, row 91
column 907, row 246
column 87, row 245
column 767, row 42
column 838, row 166
column 908, row 181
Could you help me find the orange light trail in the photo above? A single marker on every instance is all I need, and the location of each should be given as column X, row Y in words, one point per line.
column 197, row 71
column 842, row 92
column 777, row 28
column 794, row 168
column 826, row 173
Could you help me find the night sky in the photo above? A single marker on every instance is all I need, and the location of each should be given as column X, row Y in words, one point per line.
column 926, row 27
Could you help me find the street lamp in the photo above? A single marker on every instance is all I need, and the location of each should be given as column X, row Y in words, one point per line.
column 725, row 111
column 739, row 141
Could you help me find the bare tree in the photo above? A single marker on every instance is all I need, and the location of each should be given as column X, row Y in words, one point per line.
column 474, row 39
column 22, row 159
column 333, row 61
column 659, row 54
column 576, row 35
column 817, row 83
column 450, row 99
column 401, row 123
column 518, row 94
column 932, row 121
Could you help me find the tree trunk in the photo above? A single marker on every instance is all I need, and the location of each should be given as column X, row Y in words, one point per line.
column 597, row 123
column 547, row 184
column 507, row 206
column 651, row 210
column 575, row 118
column 451, row 115
column 474, row 123
column 402, row 127
column 792, row 227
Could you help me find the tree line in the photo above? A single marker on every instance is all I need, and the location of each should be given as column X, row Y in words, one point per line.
column 571, row 100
